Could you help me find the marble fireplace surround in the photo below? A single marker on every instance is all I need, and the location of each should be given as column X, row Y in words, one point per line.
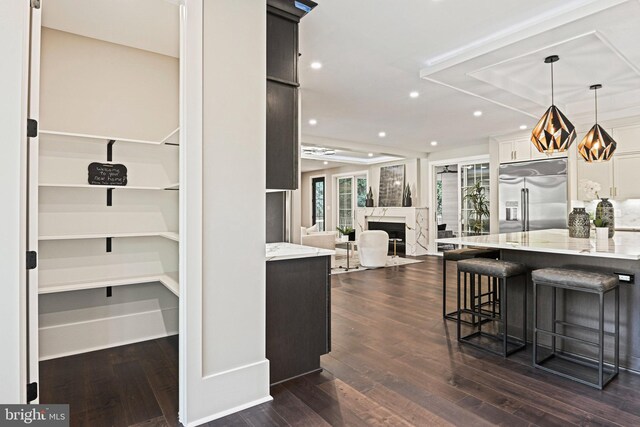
column 415, row 220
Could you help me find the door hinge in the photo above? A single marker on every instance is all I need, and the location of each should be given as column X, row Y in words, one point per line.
column 32, row 128
column 35, row 4
column 32, row 392
column 32, row 260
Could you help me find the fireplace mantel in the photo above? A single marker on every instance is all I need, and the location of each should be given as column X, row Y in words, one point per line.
column 415, row 220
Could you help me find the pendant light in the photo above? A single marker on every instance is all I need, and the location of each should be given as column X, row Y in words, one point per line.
column 597, row 145
column 554, row 132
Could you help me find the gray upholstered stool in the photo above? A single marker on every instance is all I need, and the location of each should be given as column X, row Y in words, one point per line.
column 459, row 255
column 565, row 361
column 496, row 340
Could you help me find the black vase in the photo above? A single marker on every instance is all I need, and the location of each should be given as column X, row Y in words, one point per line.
column 369, row 200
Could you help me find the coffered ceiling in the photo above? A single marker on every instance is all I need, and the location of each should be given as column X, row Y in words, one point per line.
column 463, row 56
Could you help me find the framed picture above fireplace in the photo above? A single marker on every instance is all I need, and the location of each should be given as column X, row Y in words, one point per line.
column 391, row 186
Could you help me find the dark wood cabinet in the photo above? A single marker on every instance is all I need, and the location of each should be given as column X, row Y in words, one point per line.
column 298, row 316
column 283, row 17
column 282, row 136
column 276, row 217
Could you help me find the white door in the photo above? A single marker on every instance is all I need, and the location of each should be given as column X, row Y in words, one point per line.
column 32, row 234
column 626, row 176
column 14, row 49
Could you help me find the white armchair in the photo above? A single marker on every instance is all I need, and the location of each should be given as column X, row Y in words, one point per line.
column 372, row 248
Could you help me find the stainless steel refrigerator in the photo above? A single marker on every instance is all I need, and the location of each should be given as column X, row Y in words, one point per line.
column 533, row 195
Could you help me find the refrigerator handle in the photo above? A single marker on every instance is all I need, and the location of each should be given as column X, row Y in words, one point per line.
column 523, row 208
column 526, row 193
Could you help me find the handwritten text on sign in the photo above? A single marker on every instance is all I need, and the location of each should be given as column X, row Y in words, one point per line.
column 107, row 174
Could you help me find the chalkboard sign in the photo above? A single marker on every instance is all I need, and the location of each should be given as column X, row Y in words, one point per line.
column 107, row 174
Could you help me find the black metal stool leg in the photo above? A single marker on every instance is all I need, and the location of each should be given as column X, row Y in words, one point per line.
column 444, row 287
column 459, row 308
column 505, row 322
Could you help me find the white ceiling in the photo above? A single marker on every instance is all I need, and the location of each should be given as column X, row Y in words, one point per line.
column 461, row 55
column 471, row 55
column 152, row 25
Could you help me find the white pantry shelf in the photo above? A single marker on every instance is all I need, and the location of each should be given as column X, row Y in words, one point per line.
column 173, row 138
column 169, row 280
column 55, row 136
column 166, row 234
column 104, row 187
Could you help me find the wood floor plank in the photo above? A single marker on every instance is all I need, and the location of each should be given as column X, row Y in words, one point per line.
column 293, row 410
column 367, row 409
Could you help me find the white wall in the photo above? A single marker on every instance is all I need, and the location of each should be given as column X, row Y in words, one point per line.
column 13, row 108
column 95, row 87
column 413, row 173
column 223, row 337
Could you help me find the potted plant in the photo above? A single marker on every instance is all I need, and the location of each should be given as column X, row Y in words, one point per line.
column 344, row 233
column 480, row 207
column 602, row 228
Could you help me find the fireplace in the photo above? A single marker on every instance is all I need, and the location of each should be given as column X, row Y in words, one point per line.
column 395, row 230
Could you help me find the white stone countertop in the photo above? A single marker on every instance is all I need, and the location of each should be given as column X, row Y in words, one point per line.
column 281, row 251
column 623, row 245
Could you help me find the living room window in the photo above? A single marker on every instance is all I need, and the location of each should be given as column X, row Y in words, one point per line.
column 318, row 202
column 352, row 194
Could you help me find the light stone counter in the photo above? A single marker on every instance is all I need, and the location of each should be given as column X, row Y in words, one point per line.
column 281, row 251
column 624, row 245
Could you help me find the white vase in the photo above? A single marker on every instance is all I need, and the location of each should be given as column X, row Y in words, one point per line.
column 602, row 233
column 345, row 238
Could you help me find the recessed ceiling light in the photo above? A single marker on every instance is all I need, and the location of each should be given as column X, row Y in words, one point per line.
column 316, row 65
column 313, row 122
column 523, row 127
column 477, row 113
column 382, row 134
column 370, row 154
column 414, row 94
column 434, row 143
column 325, row 162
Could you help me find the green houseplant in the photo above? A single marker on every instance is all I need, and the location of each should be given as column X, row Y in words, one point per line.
column 344, row 231
column 480, row 206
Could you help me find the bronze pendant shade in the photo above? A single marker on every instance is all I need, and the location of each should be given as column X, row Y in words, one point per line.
column 554, row 132
column 597, row 145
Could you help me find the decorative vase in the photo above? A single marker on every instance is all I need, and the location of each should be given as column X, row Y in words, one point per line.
column 602, row 233
column 369, row 200
column 606, row 211
column 406, row 199
column 579, row 223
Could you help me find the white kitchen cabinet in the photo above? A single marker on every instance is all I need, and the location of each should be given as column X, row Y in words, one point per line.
column 628, row 139
column 626, row 175
column 601, row 172
column 522, row 150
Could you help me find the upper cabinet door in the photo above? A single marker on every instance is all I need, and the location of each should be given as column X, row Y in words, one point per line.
column 282, row 49
column 626, row 176
column 282, row 136
column 602, row 173
column 628, row 139
column 506, row 152
column 522, row 149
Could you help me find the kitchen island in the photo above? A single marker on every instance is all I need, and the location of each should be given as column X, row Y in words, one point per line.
column 298, row 309
column 554, row 248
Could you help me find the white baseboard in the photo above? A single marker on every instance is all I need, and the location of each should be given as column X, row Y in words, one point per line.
column 227, row 392
column 81, row 337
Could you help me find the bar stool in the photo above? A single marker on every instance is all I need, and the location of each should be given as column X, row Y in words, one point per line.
column 566, row 362
column 502, row 272
column 459, row 255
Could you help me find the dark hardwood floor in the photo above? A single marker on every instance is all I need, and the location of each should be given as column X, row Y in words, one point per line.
column 394, row 361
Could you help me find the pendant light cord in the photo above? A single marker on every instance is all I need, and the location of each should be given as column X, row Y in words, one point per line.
column 596, row 93
column 552, row 101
